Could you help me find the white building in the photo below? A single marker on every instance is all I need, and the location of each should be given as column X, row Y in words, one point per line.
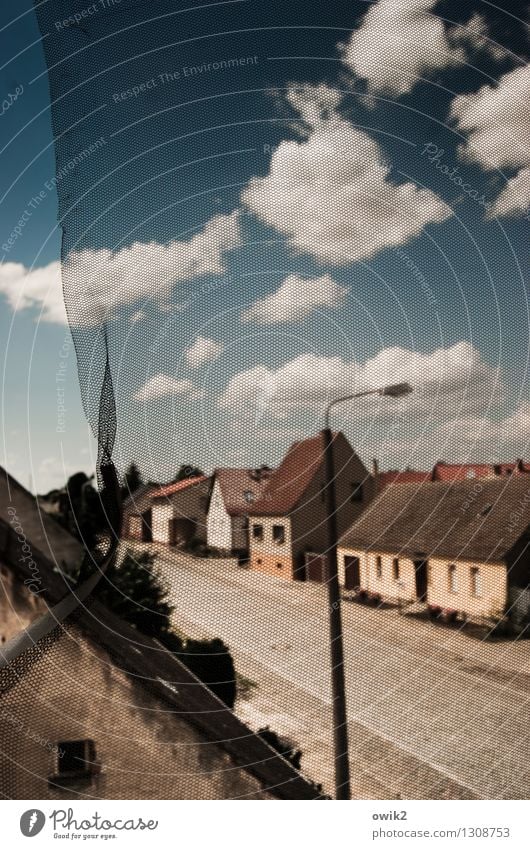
column 233, row 493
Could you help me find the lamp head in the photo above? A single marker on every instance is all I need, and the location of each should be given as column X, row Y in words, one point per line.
column 396, row 390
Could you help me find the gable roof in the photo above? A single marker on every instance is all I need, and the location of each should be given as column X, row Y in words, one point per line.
column 19, row 509
column 178, row 486
column 165, row 676
column 291, row 479
column 457, row 519
column 234, row 483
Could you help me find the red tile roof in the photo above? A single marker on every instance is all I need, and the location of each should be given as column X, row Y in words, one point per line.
column 240, row 488
column 177, row 486
column 291, row 479
column 462, row 471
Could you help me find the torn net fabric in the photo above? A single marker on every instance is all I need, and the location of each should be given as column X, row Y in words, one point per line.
column 240, row 215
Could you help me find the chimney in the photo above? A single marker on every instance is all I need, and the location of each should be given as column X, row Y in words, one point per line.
column 375, row 468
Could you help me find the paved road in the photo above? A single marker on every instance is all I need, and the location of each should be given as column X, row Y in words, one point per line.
column 433, row 712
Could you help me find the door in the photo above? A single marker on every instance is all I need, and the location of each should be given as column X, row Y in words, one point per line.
column 315, row 567
column 420, row 568
column 352, row 573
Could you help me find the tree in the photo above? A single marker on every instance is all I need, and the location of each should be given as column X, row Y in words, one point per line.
column 187, row 471
column 132, row 480
column 135, row 593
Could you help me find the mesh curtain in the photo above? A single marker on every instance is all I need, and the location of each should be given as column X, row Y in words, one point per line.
column 229, row 180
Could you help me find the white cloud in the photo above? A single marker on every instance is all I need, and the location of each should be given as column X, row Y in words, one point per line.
column 38, row 288
column 100, row 280
column 162, row 385
column 203, row 351
column 332, row 194
column 398, row 42
column 515, row 196
column 444, row 381
column 296, row 298
column 496, row 120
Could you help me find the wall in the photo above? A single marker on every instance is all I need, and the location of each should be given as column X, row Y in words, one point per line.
column 404, row 589
column 491, row 603
column 19, row 607
column 218, row 522
column 267, row 555
column 161, row 513
column 309, row 518
column 146, row 750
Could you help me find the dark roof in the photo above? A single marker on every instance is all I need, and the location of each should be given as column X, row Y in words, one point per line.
column 292, row 477
column 178, row 486
column 146, row 660
column 19, row 509
column 478, row 520
column 235, row 483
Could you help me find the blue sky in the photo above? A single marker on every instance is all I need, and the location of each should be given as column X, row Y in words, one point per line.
column 337, row 199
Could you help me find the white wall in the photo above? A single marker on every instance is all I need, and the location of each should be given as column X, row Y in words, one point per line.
column 160, row 517
column 218, row 523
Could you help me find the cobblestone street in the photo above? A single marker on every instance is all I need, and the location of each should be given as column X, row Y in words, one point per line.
column 433, row 712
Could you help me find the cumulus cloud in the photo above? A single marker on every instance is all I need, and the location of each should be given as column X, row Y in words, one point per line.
column 495, row 120
column 398, row 43
column 515, row 196
column 444, row 381
column 203, row 351
column 332, row 193
column 37, row 288
column 296, row 299
column 162, row 385
column 100, row 280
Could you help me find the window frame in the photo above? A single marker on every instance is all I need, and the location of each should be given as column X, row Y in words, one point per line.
column 259, row 529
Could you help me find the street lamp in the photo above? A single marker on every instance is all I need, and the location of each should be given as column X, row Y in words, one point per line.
column 338, row 689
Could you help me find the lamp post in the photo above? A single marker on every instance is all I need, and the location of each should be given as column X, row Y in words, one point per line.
column 338, row 689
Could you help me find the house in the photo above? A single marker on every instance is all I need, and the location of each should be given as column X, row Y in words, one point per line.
column 137, row 515
column 233, row 493
column 460, row 547
column 450, row 472
column 178, row 511
column 288, row 535
column 90, row 708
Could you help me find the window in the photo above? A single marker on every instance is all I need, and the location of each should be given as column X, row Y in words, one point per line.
column 395, row 569
column 453, row 580
column 248, row 495
column 278, row 565
column 476, row 581
column 356, row 492
column 378, row 566
column 76, row 760
column 257, row 531
column 278, row 534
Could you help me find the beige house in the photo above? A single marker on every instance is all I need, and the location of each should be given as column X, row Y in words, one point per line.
column 178, row 511
column 460, row 547
column 288, row 524
column 93, row 709
column 233, row 493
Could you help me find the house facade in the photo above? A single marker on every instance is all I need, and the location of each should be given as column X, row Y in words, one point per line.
column 178, row 511
column 233, row 493
column 137, row 515
column 460, row 547
column 287, row 532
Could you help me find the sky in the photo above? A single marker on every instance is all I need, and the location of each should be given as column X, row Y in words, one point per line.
column 262, row 207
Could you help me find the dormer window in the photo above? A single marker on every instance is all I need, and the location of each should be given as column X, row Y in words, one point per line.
column 248, row 495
